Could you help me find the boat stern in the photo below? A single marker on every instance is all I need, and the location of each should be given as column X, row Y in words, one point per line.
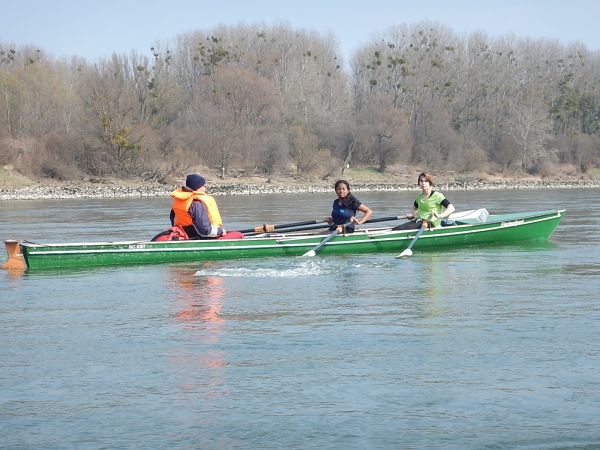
column 15, row 256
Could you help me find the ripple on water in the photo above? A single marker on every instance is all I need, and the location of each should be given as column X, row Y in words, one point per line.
column 271, row 269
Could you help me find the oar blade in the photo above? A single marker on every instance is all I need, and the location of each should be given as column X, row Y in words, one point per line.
column 407, row 252
column 310, row 254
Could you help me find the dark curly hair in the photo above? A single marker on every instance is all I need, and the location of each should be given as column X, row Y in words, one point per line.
column 350, row 201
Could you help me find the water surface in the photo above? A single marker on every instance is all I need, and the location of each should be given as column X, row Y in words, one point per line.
column 494, row 347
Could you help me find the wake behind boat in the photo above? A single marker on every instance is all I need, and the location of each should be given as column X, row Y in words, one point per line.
column 468, row 228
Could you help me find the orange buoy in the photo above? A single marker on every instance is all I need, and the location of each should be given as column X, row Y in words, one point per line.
column 15, row 257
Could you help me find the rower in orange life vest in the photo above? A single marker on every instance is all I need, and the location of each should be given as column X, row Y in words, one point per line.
column 197, row 212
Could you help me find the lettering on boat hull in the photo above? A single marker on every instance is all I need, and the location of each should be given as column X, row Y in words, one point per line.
column 512, row 223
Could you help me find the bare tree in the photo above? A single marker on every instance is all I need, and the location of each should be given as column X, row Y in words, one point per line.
column 384, row 131
column 305, row 150
column 530, row 127
column 437, row 144
column 587, row 151
column 111, row 105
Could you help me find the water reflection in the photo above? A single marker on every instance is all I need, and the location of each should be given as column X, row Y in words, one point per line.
column 14, row 274
column 435, row 277
column 199, row 300
column 199, row 361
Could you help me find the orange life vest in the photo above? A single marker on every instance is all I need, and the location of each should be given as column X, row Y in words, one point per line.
column 182, row 202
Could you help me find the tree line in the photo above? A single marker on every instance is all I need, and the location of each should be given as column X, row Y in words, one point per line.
column 257, row 99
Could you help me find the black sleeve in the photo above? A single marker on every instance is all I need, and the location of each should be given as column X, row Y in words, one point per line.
column 445, row 203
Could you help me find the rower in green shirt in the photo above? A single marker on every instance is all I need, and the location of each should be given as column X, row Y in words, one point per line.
column 429, row 205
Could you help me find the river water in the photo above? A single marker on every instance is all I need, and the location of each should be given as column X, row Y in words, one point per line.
column 495, row 347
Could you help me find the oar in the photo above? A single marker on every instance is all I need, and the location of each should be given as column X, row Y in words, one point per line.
column 384, row 219
column 266, row 228
column 408, row 251
column 289, row 230
column 314, row 227
column 313, row 252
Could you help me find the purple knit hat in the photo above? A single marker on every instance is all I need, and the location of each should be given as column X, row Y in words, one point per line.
column 194, row 181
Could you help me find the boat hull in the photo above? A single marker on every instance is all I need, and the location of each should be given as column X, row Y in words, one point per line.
column 499, row 229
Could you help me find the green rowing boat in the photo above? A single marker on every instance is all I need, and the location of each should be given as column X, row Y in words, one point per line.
column 466, row 229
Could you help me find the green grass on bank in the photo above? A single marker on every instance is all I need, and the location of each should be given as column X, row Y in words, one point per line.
column 10, row 180
column 373, row 175
column 365, row 172
column 594, row 172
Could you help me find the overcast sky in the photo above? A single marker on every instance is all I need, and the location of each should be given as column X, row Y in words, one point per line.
column 97, row 29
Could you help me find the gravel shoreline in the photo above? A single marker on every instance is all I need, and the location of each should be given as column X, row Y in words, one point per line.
column 86, row 191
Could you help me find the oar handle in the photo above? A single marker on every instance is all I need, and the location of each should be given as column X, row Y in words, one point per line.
column 266, row 228
column 289, row 230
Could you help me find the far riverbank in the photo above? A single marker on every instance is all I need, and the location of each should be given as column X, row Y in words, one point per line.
column 104, row 191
